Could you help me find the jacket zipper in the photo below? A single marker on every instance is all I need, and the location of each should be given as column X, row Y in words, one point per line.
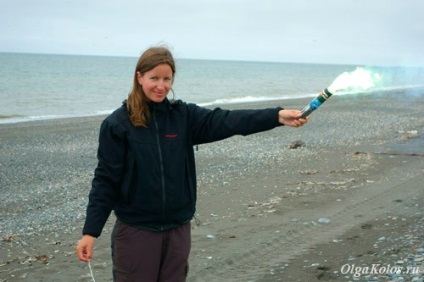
column 161, row 170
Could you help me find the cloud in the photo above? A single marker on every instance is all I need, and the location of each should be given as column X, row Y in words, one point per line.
column 372, row 32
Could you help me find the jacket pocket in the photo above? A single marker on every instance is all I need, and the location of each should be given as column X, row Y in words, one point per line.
column 191, row 185
column 129, row 180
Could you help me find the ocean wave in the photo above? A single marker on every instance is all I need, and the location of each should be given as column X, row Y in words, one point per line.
column 251, row 99
column 10, row 116
column 20, row 118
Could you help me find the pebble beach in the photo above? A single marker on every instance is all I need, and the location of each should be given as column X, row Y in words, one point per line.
column 339, row 199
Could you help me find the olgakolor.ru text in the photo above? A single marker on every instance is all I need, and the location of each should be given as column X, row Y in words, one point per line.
column 377, row 268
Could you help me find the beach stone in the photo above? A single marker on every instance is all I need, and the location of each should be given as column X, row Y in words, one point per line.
column 324, row 220
column 296, row 144
column 412, row 133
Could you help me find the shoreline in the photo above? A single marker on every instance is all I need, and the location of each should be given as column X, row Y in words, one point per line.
column 26, row 119
column 259, row 202
column 390, row 93
column 100, row 117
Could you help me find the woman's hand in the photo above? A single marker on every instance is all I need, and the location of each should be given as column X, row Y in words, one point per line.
column 291, row 118
column 84, row 248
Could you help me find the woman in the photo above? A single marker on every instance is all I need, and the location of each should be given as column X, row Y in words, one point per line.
column 146, row 171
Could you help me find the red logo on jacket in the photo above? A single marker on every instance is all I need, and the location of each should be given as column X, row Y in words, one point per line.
column 171, row 135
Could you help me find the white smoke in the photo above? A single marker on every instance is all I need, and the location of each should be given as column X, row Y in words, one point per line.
column 357, row 80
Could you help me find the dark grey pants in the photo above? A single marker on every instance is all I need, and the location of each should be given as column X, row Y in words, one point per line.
column 145, row 256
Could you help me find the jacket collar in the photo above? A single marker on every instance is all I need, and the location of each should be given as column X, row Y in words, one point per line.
column 162, row 106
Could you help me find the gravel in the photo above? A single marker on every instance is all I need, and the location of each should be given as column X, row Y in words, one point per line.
column 46, row 167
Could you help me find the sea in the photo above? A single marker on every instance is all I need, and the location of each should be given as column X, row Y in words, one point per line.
column 41, row 86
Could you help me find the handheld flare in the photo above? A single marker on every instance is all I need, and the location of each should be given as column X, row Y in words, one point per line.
column 316, row 102
column 355, row 81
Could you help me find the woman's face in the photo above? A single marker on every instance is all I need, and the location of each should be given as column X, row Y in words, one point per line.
column 156, row 83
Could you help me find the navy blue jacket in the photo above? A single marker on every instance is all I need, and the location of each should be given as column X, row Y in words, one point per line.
column 147, row 175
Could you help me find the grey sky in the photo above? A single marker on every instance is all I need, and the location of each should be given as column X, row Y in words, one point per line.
column 388, row 32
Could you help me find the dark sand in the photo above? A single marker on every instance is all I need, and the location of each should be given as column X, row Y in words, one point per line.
column 352, row 194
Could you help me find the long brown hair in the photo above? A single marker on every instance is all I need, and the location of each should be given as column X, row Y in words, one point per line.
column 137, row 100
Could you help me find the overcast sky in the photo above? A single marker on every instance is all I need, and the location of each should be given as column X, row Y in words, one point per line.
column 373, row 32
